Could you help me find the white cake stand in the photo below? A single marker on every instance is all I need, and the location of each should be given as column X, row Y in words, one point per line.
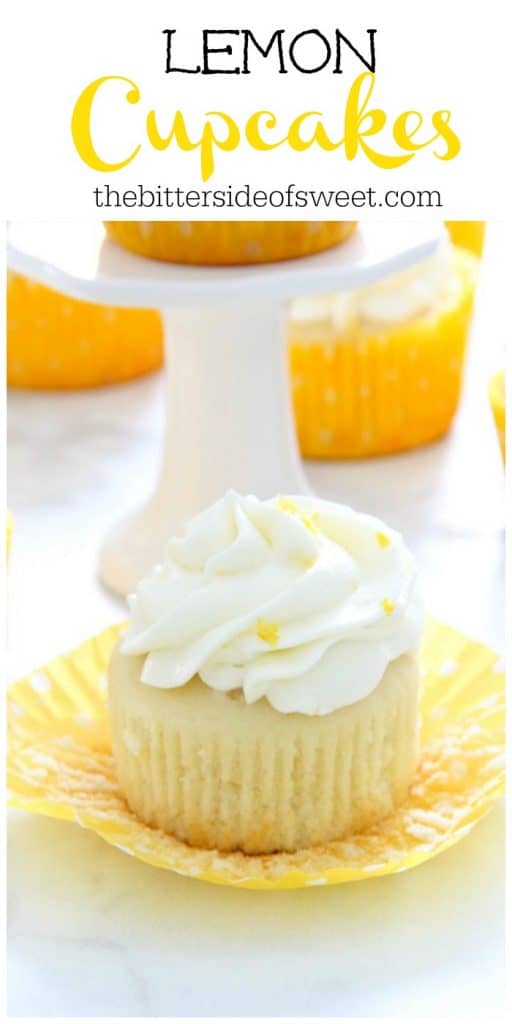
column 229, row 415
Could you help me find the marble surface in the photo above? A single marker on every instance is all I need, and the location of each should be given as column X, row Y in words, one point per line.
column 93, row 933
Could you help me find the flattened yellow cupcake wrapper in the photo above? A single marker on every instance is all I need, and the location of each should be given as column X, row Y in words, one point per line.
column 470, row 234
column 497, row 400
column 227, row 242
column 57, row 342
column 60, row 764
column 373, row 393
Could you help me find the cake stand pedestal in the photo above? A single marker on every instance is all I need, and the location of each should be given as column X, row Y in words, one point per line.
column 229, row 414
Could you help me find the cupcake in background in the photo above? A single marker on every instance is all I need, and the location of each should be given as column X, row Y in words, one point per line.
column 469, row 234
column 55, row 342
column 227, row 242
column 379, row 370
column 497, row 400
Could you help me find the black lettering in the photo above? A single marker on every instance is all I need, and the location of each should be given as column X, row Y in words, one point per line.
column 207, row 50
column 169, row 33
column 310, row 32
column 277, row 37
column 371, row 64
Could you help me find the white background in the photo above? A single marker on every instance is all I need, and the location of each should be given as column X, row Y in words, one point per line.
column 95, row 933
column 440, row 55
column 92, row 931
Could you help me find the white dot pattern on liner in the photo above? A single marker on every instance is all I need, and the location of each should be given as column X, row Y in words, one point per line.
column 330, row 395
column 421, row 832
column 351, row 852
column 145, row 228
column 84, row 345
column 424, row 383
column 109, row 314
column 40, row 682
column 391, row 375
column 499, row 665
column 16, row 709
column 253, row 249
column 448, row 667
column 316, row 881
column 325, row 436
column 186, row 228
column 364, row 390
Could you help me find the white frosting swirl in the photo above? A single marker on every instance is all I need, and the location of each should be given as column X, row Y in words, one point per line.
column 393, row 299
column 298, row 600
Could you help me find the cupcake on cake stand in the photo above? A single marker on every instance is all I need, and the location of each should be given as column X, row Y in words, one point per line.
column 229, row 414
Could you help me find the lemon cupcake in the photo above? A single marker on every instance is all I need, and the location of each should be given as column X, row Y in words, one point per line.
column 57, row 342
column 379, row 370
column 470, row 234
column 497, row 400
column 265, row 694
column 227, row 242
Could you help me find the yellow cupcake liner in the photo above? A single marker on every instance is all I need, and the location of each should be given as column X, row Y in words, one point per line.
column 60, row 764
column 497, row 400
column 470, row 234
column 374, row 393
column 57, row 342
column 227, row 242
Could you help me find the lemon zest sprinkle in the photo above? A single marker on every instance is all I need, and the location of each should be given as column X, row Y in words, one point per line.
column 268, row 632
column 383, row 540
column 287, row 505
column 311, row 522
column 388, row 605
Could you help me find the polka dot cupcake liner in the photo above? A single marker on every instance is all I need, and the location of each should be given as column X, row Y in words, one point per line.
column 497, row 400
column 227, row 242
column 57, row 342
column 60, row 764
column 359, row 393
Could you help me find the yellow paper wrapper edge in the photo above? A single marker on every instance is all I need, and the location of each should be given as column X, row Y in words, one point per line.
column 60, row 764
column 498, row 406
column 227, row 242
